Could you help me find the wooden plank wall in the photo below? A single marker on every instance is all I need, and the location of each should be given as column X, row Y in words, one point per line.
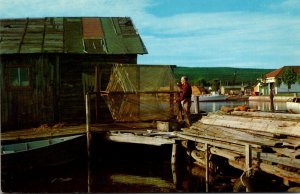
column 23, row 108
column 71, row 103
column 57, row 89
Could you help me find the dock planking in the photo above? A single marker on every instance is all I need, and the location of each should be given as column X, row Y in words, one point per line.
column 119, row 132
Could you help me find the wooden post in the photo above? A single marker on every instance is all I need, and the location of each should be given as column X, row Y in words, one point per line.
column 172, row 99
column 97, row 92
column 174, row 153
column 248, row 156
column 206, row 166
column 88, row 137
column 248, row 162
column 174, row 175
column 196, row 104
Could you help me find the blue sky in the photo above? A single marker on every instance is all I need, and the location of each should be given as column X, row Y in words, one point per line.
column 193, row 33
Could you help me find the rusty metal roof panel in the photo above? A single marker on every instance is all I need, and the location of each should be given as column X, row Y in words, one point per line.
column 92, row 28
column 93, row 36
column 97, row 35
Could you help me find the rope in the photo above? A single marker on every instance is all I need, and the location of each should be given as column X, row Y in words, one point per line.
column 241, row 177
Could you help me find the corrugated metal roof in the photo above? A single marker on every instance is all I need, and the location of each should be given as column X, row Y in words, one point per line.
column 98, row 35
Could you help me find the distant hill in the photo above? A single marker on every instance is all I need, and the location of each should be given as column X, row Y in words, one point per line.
column 225, row 74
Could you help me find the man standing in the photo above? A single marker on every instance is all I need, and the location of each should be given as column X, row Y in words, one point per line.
column 185, row 100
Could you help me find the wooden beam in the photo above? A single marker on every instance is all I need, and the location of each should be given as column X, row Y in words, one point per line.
column 196, row 104
column 97, row 86
column 88, row 136
column 248, row 162
column 280, row 116
column 271, row 169
column 130, row 138
column 248, row 156
column 292, row 153
column 235, row 135
column 174, row 153
column 240, row 149
column 275, row 126
column 225, row 153
column 207, row 167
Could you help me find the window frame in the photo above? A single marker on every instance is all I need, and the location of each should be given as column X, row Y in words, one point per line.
column 13, row 88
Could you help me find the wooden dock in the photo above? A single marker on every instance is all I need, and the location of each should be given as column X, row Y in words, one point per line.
column 269, row 141
column 112, row 129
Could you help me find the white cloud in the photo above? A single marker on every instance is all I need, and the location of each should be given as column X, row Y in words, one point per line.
column 55, row 8
column 288, row 6
column 249, row 38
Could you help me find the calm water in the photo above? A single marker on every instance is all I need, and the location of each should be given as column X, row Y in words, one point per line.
column 115, row 167
column 262, row 106
column 118, row 167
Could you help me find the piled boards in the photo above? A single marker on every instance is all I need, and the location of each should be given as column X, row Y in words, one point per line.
column 274, row 139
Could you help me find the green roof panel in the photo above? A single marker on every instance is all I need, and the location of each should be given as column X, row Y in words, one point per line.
column 113, row 41
column 73, row 36
column 65, row 35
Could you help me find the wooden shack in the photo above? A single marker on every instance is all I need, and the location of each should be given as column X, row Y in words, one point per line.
column 47, row 65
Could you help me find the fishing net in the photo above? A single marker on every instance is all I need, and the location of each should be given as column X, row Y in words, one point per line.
column 141, row 92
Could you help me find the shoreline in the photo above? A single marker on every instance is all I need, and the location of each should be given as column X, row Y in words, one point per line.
column 267, row 98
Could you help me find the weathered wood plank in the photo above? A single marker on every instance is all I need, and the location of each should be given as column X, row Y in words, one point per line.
column 281, row 116
column 288, row 152
column 131, row 138
column 220, row 152
column 218, row 143
column 240, row 149
column 272, row 169
column 276, row 126
column 222, row 138
column 232, row 133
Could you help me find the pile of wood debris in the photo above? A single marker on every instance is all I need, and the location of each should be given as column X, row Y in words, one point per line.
column 274, row 139
column 238, row 108
column 46, row 127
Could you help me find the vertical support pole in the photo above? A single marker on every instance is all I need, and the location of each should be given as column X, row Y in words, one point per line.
column 138, row 94
column 174, row 175
column 57, row 114
column 248, row 162
column 97, row 92
column 196, row 104
column 207, row 167
column 88, row 137
column 174, row 153
column 248, row 156
column 172, row 99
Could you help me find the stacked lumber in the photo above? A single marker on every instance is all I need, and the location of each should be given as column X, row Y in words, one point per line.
column 274, row 139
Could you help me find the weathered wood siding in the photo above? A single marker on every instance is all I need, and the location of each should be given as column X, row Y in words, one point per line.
column 56, row 88
column 71, row 102
column 27, row 107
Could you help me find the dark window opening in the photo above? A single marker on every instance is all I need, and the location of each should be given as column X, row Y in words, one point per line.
column 19, row 77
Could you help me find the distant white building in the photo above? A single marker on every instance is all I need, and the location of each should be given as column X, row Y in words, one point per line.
column 236, row 90
column 283, row 88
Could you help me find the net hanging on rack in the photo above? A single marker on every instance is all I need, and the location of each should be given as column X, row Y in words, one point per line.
column 141, row 92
